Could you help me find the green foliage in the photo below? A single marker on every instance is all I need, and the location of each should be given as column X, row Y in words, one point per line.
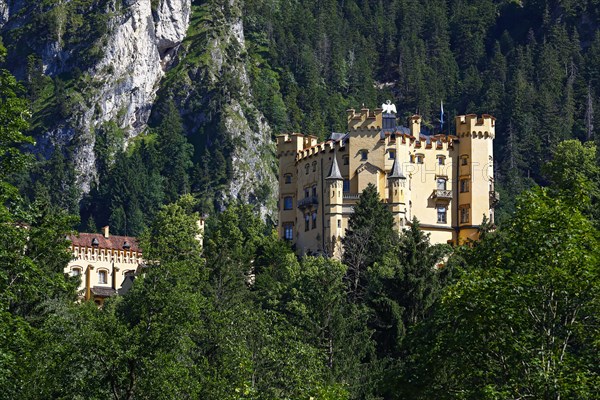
column 369, row 238
column 522, row 312
column 404, row 287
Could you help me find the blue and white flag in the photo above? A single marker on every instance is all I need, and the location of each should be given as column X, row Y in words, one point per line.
column 442, row 115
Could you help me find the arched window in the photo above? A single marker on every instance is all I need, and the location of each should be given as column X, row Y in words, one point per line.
column 314, row 165
column 76, row 271
column 307, row 168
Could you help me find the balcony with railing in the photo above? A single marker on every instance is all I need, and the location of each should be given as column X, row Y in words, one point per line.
column 308, row 202
column 351, row 196
column 442, row 194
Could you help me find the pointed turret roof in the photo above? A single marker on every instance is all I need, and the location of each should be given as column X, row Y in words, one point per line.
column 334, row 172
column 396, row 172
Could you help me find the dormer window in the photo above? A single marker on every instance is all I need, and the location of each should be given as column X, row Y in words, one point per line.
column 95, row 242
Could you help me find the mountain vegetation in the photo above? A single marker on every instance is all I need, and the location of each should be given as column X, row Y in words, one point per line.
column 530, row 63
column 514, row 315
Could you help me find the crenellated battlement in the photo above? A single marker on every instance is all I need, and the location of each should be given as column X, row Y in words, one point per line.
column 443, row 180
column 364, row 119
column 476, row 127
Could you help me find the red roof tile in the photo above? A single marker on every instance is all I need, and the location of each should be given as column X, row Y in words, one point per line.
column 112, row 242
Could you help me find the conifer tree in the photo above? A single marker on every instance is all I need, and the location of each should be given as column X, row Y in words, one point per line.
column 369, row 237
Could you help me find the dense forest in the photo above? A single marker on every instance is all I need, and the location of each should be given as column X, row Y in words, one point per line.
column 512, row 316
column 531, row 64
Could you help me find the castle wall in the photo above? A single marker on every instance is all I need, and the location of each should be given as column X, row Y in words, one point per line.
column 433, row 169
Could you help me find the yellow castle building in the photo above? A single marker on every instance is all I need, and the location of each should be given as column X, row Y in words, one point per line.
column 107, row 264
column 445, row 181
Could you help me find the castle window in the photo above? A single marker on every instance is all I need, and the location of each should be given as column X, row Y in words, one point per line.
column 441, row 183
column 441, row 160
column 339, row 223
column 307, row 168
column 306, row 193
column 419, row 158
column 102, row 276
column 314, row 191
column 464, row 185
column 346, row 188
column 412, row 159
column 288, row 231
column 346, row 160
column 364, row 155
column 314, row 165
column 314, row 220
column 288, row 178
column 306, row 222
column 464, row 215
column 441, row 215
column 464, row 160
column 288, row 203
column 392, row 154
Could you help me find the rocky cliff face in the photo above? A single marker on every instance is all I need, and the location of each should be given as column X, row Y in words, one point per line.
column 137, row 49
column 140, row 48
column 147, row 48
column 212, row 88
column 252, row 158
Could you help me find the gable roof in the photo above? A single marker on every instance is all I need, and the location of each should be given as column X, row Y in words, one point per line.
column 112, row 242
column 368, row 167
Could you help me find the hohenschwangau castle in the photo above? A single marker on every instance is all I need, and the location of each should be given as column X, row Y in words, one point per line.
column 445, row 181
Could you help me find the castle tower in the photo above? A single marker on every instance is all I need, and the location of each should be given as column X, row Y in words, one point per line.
column 287, row 148
column 333, row 209
column 396, row 195
column 475, row 174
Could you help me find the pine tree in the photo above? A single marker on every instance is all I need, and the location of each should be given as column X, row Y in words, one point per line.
column 369, row 237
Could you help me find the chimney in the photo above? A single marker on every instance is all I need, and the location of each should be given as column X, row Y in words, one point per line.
column 105, row 231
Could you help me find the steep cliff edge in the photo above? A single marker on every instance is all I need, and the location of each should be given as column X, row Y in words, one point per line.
column 210, row 84
column 112, row 69
column 95, row 63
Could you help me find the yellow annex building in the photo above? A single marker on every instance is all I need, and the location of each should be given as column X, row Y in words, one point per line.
column 106, row 263
column 445, row 181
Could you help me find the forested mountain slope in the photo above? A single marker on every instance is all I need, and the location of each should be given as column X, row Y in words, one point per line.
column 194, row 90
